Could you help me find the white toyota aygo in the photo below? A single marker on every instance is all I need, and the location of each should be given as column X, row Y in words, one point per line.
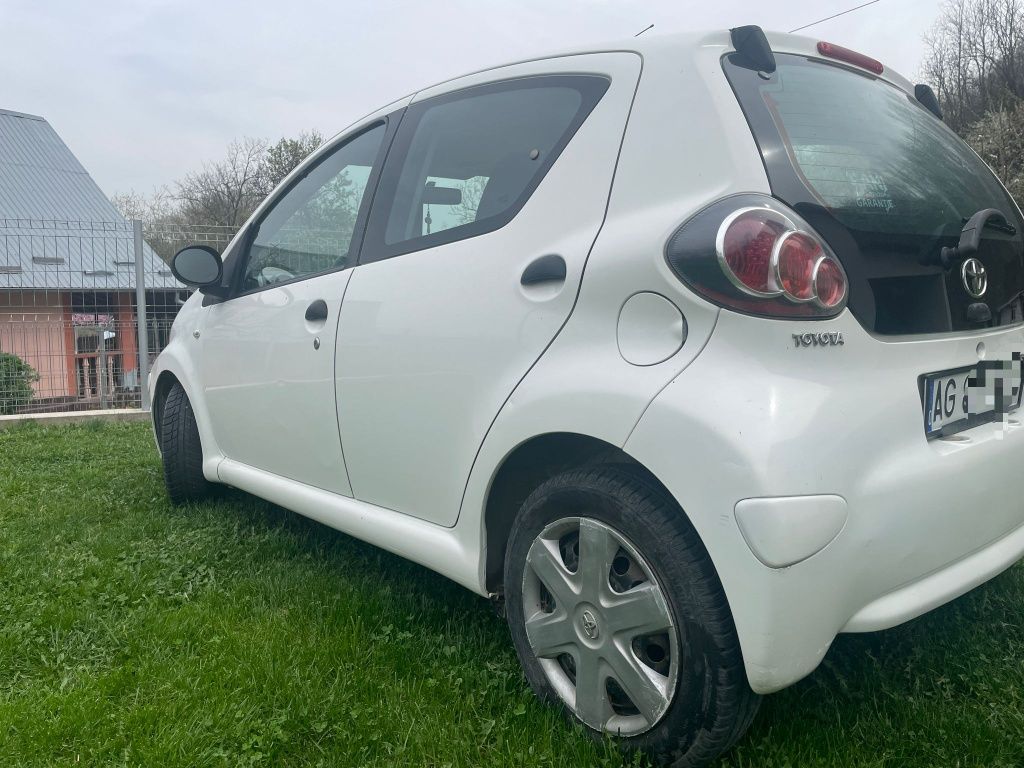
column 694, row 351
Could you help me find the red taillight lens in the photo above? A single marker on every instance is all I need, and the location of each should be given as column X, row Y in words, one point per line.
column 753, row 254
column 829, row 283
column 798, row 255
column 747, row 252
column 839, row 53
column 768, row 255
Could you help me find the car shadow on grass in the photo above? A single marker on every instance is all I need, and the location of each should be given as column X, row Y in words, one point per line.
column 942, row 689
column 375, row 565
column 902, row 694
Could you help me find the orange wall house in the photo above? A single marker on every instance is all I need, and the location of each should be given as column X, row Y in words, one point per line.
column 68, row 272
column 37, row 333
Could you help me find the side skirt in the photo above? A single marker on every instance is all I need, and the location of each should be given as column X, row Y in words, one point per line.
column 438, row 548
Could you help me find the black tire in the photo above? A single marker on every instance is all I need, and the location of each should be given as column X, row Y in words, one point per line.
column 713, row 704
column 181, row 450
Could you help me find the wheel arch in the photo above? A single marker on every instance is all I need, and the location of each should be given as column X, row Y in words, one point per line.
column 175, row 366
column 165, row 380
column 524, row 468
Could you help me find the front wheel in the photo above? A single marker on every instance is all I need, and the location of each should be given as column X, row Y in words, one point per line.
column 618, row 616
column 180, row 449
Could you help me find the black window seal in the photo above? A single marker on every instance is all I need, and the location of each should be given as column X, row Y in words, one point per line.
column 591, row 86
column 244, row 249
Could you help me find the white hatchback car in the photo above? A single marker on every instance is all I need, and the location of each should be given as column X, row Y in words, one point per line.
column 698, row 351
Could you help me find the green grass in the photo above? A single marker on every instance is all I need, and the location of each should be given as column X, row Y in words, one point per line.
column 236, row 633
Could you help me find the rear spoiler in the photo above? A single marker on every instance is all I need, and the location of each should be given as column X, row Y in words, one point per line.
column 752, row 45
column 926, row 96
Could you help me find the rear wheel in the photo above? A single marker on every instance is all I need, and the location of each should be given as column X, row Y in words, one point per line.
column 618, row 616
column 181, row 450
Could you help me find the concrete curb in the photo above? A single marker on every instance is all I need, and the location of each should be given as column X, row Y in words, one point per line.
column 75, row 417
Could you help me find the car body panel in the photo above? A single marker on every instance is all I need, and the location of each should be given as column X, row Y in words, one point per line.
column 268, row 372
column 751, row 404
column 431, row 343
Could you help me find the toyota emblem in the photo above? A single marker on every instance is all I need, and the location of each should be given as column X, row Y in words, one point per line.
column 975, row 278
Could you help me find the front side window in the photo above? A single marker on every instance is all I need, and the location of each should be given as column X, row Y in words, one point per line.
column 463, row 164
column 310, row 229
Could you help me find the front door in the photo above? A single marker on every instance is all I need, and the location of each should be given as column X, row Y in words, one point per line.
column 268, row 352
column 487, row 208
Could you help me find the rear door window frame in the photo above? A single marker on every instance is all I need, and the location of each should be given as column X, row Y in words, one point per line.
column 591, row 88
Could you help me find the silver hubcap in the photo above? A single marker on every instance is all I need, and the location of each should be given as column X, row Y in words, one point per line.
column 600, row 626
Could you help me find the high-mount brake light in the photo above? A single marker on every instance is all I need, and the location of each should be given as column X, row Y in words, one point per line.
column 756, row 255
column 839, row 53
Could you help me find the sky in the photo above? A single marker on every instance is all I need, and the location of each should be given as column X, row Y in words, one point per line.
column 144, row 91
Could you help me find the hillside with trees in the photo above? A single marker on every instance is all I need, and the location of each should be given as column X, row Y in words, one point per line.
column 975, row 64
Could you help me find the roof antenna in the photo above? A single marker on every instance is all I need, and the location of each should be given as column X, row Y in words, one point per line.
column 835, row 16
column 643, row 30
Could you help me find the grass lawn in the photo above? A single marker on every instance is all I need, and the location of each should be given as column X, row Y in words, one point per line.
column 236, row 633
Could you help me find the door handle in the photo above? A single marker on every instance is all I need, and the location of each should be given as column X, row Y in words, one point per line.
column 545, row 269
column 317, row 311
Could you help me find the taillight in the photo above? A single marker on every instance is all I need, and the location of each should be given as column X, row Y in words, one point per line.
column 766, row 260
column 829, row 283
column 747, row 245
column 799, row 254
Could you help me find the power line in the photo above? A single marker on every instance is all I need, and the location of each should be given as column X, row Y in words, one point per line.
column 835, row 15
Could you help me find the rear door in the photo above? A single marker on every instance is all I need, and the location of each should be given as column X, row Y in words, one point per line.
column 493, row 193
column 268, row 352
column 889, row 186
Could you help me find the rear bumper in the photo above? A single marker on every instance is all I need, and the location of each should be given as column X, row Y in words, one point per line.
column 756, row 419
column 911, row 600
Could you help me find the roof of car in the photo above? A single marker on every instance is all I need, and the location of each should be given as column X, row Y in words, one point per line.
column 668, row 44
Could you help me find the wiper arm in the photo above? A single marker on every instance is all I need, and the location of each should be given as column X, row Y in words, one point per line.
column 970, row 235
column 999, row 226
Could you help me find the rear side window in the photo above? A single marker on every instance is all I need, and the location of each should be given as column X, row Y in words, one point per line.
column 463, row 164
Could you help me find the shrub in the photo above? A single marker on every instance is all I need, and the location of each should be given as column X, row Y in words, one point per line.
column 999, row 138
column 16, row 379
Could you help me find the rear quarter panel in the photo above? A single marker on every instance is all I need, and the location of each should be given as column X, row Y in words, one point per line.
column 686, row 144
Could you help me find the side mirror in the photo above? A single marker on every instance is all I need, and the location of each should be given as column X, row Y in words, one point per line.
column 198, row 266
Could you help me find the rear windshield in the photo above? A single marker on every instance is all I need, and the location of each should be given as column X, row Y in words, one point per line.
column 866, row 150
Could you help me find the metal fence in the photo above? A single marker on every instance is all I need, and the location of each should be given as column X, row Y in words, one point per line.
column 85, row 307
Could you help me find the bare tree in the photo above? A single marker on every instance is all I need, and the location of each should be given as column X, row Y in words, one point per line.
column 472, row 191
column 160, row 206
column 225, row 192
column 281, row 158
column 975, row 58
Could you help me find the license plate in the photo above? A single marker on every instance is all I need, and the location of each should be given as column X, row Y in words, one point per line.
column 962, row 398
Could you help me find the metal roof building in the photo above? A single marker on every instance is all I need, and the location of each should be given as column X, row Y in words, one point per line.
column 58, row 231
